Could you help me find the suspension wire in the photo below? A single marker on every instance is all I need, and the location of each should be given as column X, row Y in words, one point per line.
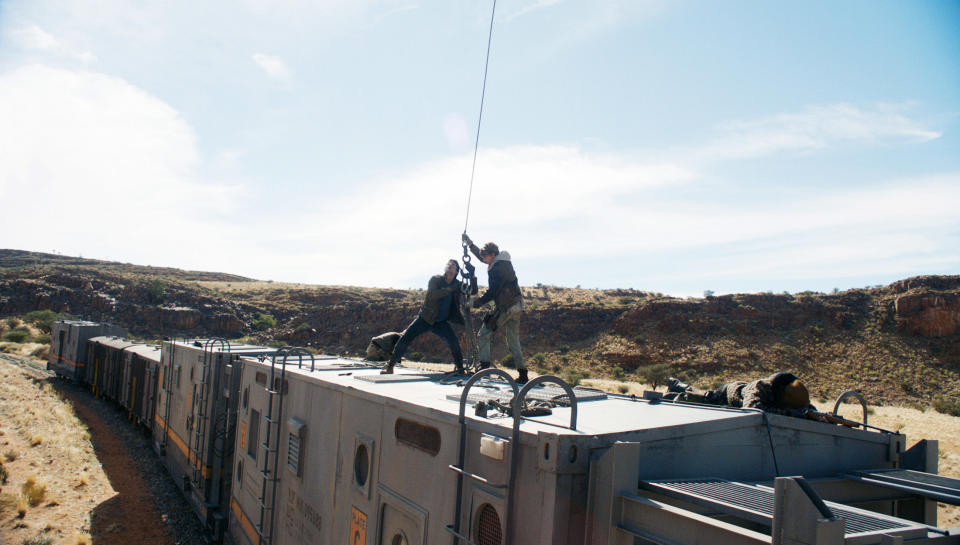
column 483, row 92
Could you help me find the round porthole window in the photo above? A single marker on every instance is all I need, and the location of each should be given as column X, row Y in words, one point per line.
column 361, row 465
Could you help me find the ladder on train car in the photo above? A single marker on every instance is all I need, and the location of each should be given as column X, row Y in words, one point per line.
column 201, row 414
column 275, row 388
column 516, row 406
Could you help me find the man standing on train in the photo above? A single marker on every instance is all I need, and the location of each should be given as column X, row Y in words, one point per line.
column 504, row 291
column 440, row 307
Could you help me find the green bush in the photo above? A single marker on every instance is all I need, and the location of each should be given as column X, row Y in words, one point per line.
column 16, row 336
column 507, row 361
column 947, row 406
column 12, row 322
column 655, row 374
column 155, row 292
column 43, row 319
column 574, row 376
column 42, row 339
column 264, row 321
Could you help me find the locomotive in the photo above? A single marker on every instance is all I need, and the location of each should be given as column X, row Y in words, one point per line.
column 286, row 447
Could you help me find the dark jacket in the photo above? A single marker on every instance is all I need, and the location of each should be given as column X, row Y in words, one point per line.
column 504, row 288
column 437, row 289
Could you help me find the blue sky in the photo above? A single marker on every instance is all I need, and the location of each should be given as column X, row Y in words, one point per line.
column 673, row 147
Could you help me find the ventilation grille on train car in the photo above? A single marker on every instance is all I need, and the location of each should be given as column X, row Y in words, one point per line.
column 488, row 526
column 294, row 443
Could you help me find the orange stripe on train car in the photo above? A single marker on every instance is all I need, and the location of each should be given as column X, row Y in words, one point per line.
column 191, row 458
column 63, row 359
column 244, row 521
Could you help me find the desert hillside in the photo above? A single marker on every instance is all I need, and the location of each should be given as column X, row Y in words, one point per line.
column 898, row 343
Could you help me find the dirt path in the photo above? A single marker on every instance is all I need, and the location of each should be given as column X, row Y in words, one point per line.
column 130, row 516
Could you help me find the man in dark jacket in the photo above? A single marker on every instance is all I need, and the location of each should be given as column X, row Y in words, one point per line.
column 440, row 307
column 504, row 291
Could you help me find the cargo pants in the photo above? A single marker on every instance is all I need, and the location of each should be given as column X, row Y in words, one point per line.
column 509, row 322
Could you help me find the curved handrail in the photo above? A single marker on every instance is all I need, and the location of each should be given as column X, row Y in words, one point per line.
column 297, row 351
column 854, row 394
column 556, row 380
column 463, row 442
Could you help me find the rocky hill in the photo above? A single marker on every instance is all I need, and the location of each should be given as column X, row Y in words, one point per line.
column 899, row 342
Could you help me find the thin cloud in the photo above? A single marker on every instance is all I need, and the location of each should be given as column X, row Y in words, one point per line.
column 34, row 38
column 815, row 128
column 530, row 8
column 273, row 66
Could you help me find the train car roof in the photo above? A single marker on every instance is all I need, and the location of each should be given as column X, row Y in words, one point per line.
column 215, row 346
column 147, row 351
column 598, row 413
column 113, row 341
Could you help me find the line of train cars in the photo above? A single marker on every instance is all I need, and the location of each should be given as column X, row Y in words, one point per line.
column 288, row 448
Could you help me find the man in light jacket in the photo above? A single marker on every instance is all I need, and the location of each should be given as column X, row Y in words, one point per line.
column 504, row 291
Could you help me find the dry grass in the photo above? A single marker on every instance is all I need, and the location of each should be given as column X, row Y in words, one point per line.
column 33, row 490
column 45, row 447
column 83, row 538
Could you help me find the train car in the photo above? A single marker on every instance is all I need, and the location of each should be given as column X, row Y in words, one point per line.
column 68, row 346
column 140, row 382
column 338, row 453
column 194, row 420
column 106, row 358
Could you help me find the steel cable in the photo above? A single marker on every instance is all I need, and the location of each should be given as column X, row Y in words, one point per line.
column 483, row 92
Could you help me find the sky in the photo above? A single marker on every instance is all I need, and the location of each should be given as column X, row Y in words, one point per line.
column 672, row 147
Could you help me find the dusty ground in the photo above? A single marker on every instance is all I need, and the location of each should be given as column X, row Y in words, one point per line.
column 95, row 492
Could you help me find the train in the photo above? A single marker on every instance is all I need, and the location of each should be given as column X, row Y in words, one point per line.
column 287, row 447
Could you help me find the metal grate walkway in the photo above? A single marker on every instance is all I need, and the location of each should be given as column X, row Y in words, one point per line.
column 938, row 487
column 756, row 503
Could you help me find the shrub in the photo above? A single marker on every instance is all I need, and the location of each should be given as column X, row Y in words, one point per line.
column 155, row 292
column 43, row 319
column 655, row 374
column 538, row 358
column 16, row 336
column 12, row 322
column 39, row 540
column 83, row 538
column 22, row 504
column 10, row 455
column 264, row 321
column 36, row 440
column 573, row 377
column 623, row 388
column 507, row 361
column 947, row 406
column 33, row 491
column 3, row 474
column 415, row 356
column 303, row 328
column 42, row 339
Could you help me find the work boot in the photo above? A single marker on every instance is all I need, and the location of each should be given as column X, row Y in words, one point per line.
column 522, row 378
column 484, row 365
column 458, row 369
column 388, row 370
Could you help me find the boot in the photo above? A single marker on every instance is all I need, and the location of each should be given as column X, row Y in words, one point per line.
column 458, row 369
column 484, row 365
column 388, row 370
column 522, row 378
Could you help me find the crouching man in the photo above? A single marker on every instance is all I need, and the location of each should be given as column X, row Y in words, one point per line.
column 440, row 307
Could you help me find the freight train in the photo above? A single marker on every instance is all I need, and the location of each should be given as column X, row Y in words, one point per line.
column 285, row 447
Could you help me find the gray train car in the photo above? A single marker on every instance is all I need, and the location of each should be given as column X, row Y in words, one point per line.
column 68, row 346
column 106, row 359
column 337, row 453
column 195, row 419
column 140, row 382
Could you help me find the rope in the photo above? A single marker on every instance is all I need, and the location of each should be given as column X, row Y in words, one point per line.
column 483, row 93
